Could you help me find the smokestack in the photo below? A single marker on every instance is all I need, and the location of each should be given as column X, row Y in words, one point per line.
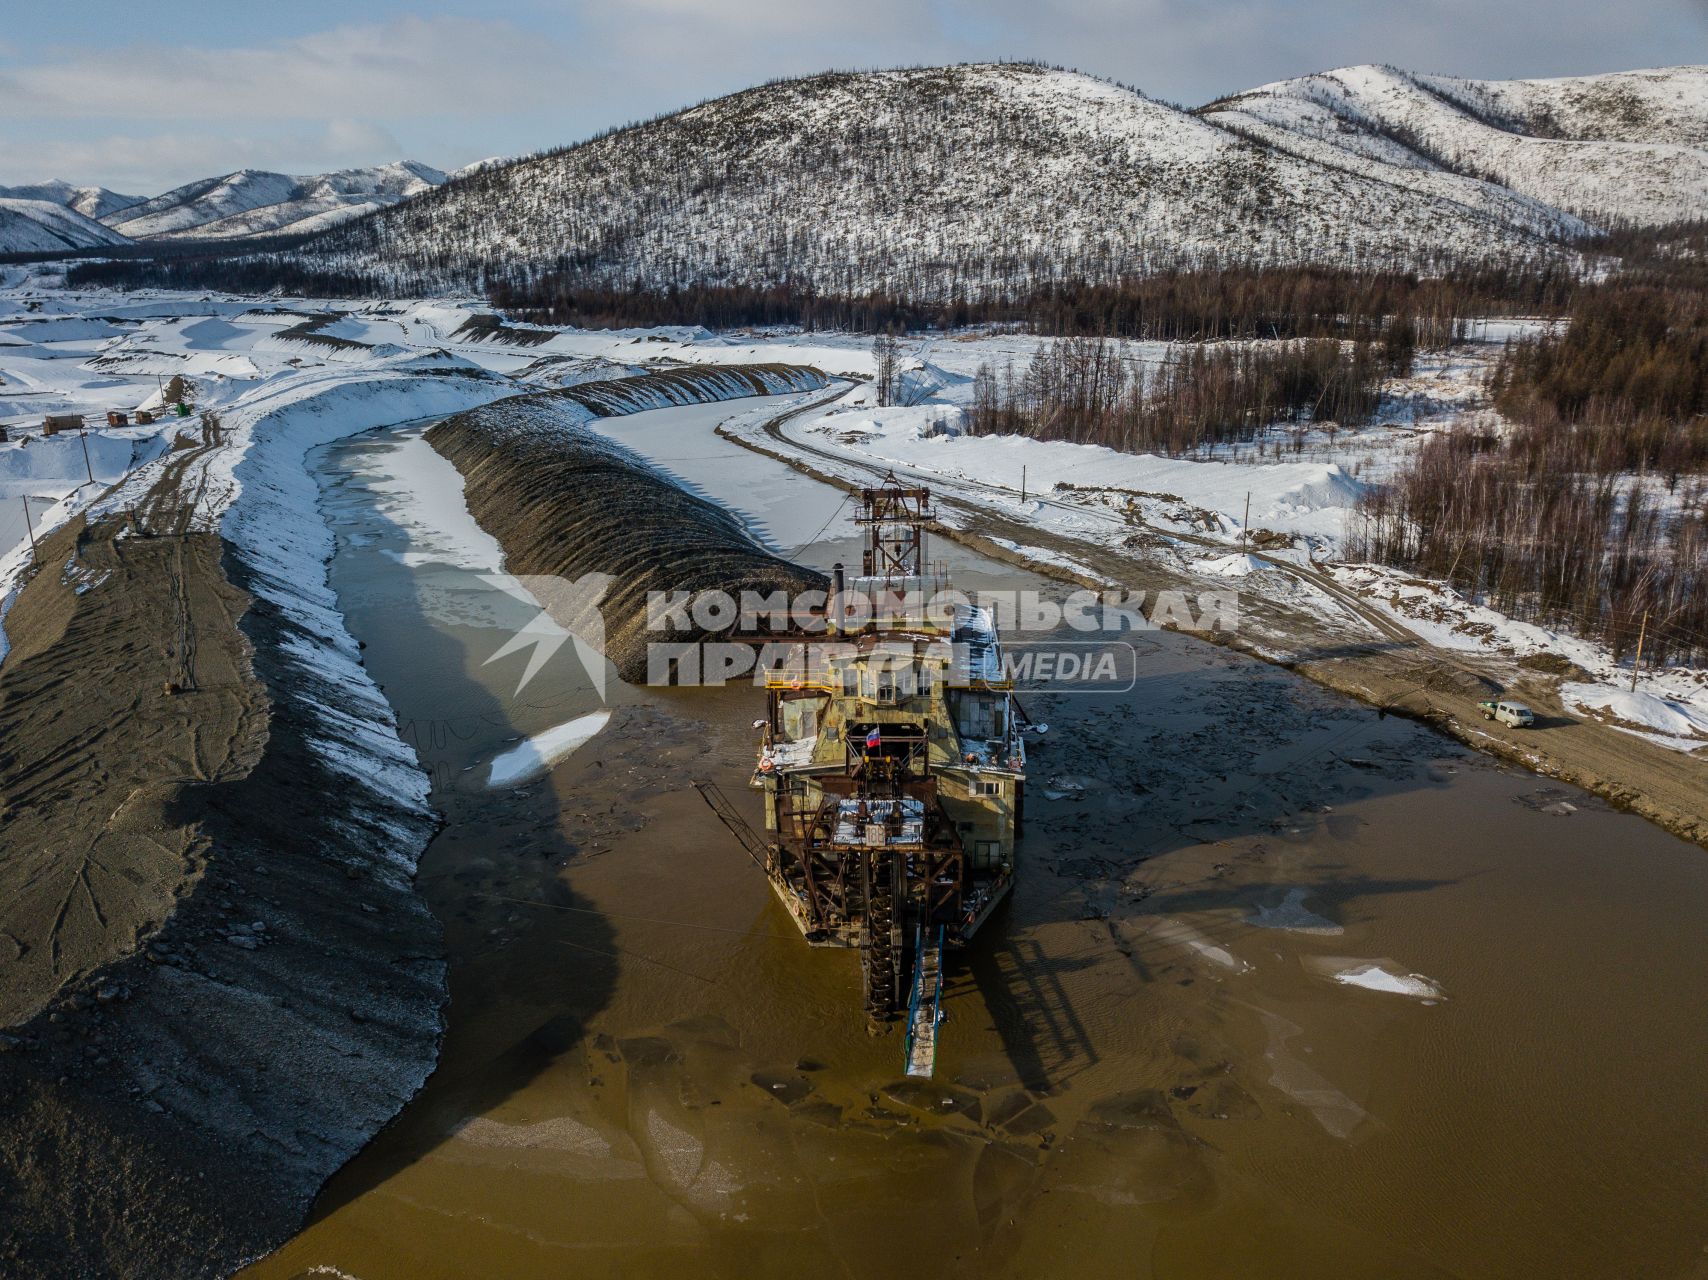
column 836, row 596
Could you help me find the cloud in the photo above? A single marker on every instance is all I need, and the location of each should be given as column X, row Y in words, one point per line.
column 380, row 71
column 758, row 23
column 453, row 83
column 146, row 164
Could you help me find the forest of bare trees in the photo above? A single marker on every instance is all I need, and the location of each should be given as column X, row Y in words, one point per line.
column 1625, row 387
column 1177, row 304
column 1169, row 305
column 1592, row 511
column 1092, row 391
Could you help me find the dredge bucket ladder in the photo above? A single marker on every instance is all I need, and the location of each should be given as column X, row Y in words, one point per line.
column 727, row 813
column 924, row 1008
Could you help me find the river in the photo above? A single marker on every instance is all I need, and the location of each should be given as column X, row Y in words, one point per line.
column 1286, row 989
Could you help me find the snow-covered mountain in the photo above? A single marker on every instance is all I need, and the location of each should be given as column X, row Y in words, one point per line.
column 475, row 166
column 91, row 202
column 43, row 226
column 253, row 202
column 1630, row 147
column 989, row 177
column 981, row 178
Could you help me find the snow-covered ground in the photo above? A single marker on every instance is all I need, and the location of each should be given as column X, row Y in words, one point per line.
column 1669, row 706
column 279, row 392
column 1673, row 721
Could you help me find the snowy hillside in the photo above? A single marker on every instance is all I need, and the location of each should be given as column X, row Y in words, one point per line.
column 91, row 202
column 925, row 180
column 41, row 226
column 253, row 202
column 1630, row 147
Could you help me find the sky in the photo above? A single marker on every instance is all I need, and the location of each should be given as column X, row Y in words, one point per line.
column 143, row 96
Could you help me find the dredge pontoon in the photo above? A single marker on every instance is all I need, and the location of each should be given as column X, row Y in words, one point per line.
column 893, row 768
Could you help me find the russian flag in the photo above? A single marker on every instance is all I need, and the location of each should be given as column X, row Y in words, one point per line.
column 874, row 739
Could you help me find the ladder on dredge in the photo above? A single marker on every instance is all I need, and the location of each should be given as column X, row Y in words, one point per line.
column 727, row 813
column 925, row 1002
column 924, row 1007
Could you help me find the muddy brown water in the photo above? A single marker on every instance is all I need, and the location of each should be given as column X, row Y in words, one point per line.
column 1148, row 1067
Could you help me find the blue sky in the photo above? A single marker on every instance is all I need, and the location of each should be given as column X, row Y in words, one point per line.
column 144, row 95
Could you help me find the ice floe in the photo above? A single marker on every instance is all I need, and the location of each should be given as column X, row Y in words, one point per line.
column 539, row 753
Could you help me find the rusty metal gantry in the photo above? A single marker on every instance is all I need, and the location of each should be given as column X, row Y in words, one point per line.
column 894, row 518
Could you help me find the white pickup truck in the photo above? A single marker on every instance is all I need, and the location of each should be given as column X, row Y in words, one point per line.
column 1514, row 714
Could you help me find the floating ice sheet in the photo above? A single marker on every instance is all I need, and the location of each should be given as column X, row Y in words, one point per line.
column 539, row 753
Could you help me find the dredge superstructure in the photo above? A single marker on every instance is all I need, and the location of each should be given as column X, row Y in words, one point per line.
column 893, row 767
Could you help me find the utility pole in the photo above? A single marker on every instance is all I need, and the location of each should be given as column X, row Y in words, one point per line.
column 1022, row 482
column 34, row 554
column 1245, row 524
column 88, row 466
column 1637, row 662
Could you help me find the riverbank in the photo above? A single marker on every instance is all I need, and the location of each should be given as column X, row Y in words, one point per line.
column 220, row 991
column 224, row 990
column 1300, row 618
column 226, row 981
column 598, row 526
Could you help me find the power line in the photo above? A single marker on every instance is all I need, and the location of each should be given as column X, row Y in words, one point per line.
column 623, row 951
column 620, row 915
column 846, row 494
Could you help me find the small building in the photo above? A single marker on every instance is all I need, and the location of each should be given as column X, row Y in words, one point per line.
column 117, row 419
column 144, row 418
column 54, row 423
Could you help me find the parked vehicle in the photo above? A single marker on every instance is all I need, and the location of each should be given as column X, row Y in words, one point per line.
column 1513, row 714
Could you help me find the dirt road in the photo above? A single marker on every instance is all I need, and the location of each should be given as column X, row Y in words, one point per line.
column 1375, row 659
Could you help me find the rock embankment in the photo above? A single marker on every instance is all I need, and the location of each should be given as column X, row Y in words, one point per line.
column 565, row 502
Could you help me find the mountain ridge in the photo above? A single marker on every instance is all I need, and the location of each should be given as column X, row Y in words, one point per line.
column 970, row 180
column 1619, row 148
column 938, row 182
column 253, row 202
column 91, row 202
column 45, row 226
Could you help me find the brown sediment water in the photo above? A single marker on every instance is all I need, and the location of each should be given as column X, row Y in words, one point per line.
column 1152, row 1064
